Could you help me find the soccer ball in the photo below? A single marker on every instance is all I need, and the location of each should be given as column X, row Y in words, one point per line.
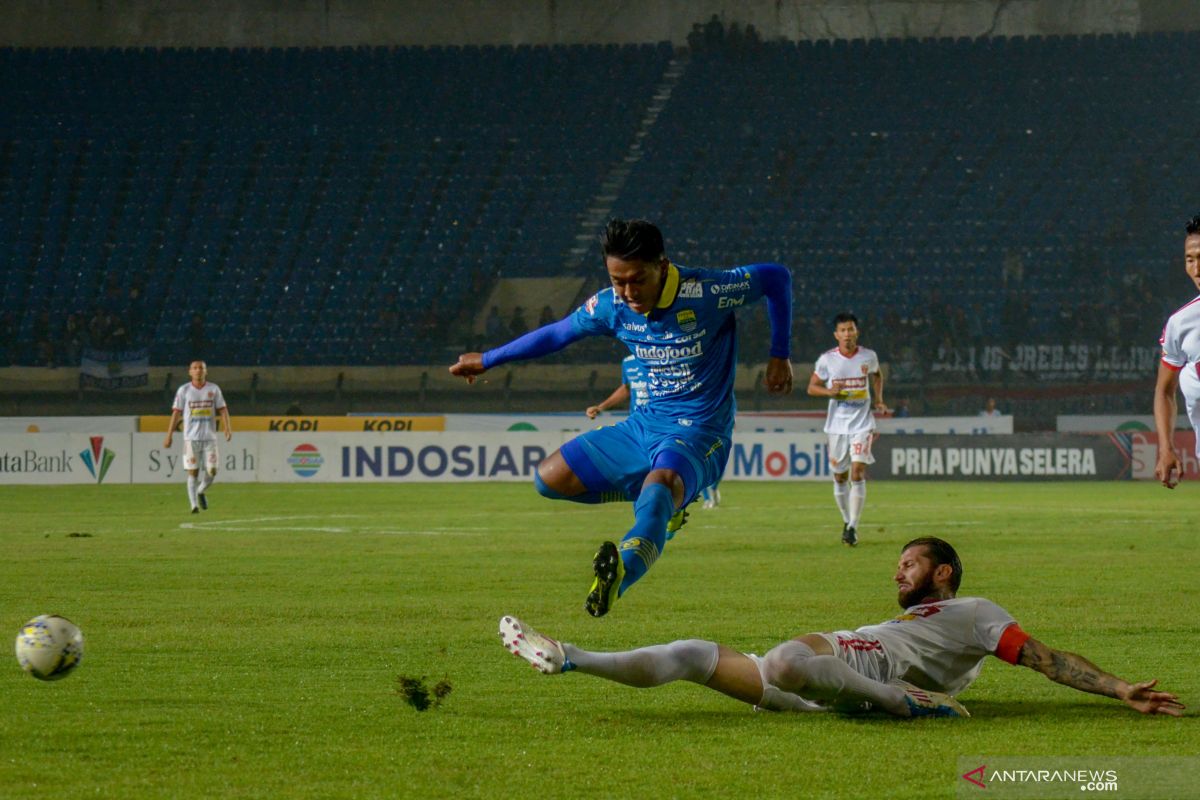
column 49, row 647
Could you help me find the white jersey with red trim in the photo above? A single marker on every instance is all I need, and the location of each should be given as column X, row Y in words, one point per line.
column 852, row 414
column 200, row 405
column 1181, row 351
column 938, row 646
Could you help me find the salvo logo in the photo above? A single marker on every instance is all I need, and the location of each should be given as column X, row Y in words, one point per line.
column 97, row 458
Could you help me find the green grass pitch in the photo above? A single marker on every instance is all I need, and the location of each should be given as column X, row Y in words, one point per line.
column 255, row 650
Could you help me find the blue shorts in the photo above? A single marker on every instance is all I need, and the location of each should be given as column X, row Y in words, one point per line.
column 619, row 456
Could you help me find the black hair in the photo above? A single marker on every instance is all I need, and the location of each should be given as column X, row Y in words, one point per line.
column 940, row 551
column 632, row 240
column 845, row 316
column 1193, row 226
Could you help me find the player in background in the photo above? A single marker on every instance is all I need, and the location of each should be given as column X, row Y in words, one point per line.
column 1178, row 368
column 633, row 390
column 849, row 376
column 679, row 323
column 909, row 666
column 198, row 402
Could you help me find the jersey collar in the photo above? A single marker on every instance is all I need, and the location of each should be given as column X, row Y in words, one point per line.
column 670, row 287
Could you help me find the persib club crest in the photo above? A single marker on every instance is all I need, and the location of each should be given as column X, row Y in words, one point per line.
column 686, row 320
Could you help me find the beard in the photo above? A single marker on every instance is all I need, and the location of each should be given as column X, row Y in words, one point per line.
column 919, row 591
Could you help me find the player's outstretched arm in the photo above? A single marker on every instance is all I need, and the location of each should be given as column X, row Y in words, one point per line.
column 546, row 339
column 468, row 366
column 1167, row 468
column 1077, row 672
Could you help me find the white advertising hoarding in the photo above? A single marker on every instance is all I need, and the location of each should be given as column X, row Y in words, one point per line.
column 417, row 457
column 43, row 458
column 152, row 463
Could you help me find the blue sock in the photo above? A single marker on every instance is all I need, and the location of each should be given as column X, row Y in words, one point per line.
column 642, row 545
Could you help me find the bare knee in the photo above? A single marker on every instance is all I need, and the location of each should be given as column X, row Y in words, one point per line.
column 555, row 477
column 858, row 472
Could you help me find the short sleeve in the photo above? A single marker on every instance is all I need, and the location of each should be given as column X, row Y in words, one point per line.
column 219, row 400
column 178, row 404
column 596, row 316
column 822, row 369
column 874, row 366
column 1172, row 350
column 991, row 625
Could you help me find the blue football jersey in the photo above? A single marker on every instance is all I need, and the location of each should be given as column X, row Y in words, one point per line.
column 687, row 344
column 633, row 375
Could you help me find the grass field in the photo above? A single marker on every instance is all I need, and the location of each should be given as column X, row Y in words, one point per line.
column 254, row 651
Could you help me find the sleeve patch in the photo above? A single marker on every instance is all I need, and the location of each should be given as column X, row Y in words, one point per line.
column 1011, row 642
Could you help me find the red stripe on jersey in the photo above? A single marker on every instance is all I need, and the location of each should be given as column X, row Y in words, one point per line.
column 1011, row 642
column 1169, row 365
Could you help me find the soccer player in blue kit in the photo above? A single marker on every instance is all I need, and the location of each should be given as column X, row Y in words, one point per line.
column 679, row 323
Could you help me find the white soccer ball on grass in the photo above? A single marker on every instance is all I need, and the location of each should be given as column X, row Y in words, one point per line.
column 49, row 647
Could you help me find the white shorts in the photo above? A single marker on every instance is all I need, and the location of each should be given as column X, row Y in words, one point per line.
column 197, row 451
column 845, row 448
column 863, row 654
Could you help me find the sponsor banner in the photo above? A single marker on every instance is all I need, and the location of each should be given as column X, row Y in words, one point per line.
column 1066, row 777
column 772, row 457
column 67, row 424
column 152, row 463
column 1021, row 457
column 1102, row 423
column 751, row 422
column 282, row 424
column 64, row 458
column 114, row 369
column 1049, row 363
column 1145, row 454
column 814, row 422
column 419, row 458
column 570, row 422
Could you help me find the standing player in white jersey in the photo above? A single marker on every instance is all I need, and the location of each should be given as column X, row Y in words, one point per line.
column 198, row 402
column 849, row 376
column 1179, row 368
column 909, row 666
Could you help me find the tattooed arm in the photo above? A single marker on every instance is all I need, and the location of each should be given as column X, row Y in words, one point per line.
column 1077, row 672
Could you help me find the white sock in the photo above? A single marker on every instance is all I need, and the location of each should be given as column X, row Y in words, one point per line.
column 858, row 498
column 692, row 660
column 794, row 667
column 191, row 483
column 206, row 480
column 841, row 496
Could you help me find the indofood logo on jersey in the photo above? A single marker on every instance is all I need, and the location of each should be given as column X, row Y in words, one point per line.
column 97, row 458
column 659, row 353
column 306, row 460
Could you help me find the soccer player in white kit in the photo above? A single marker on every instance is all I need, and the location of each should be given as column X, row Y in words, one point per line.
column 909, row 666
column 198, row 402
column 849, row 376
column 1179, row 368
